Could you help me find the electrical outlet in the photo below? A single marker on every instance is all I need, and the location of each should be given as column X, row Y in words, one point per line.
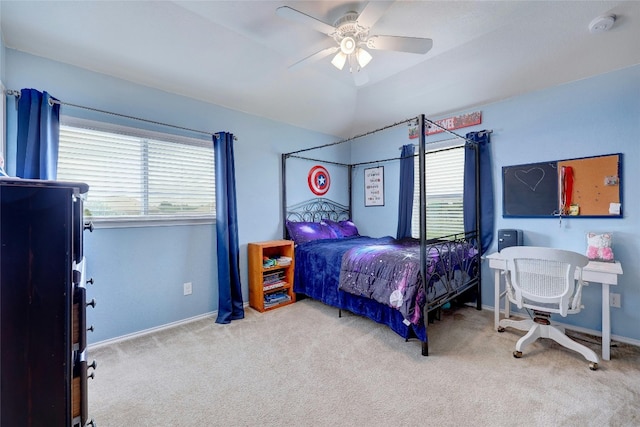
column 188, row 288
column 614, row 300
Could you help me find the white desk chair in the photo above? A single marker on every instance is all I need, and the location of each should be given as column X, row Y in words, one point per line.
column 544, row 280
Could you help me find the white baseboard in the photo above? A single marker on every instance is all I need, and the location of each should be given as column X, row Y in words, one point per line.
column 98, row 344
column 580, row 329
column 150, row 330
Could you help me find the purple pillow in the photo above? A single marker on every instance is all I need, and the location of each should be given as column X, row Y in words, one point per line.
column 343, row 228
column 302, row 232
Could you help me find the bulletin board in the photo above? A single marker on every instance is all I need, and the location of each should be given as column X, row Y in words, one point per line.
column 533, row 190
column 596, row 183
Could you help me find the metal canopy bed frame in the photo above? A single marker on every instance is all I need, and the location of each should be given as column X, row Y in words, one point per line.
column 320, row 209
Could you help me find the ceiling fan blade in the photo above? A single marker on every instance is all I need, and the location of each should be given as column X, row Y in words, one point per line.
column 400, row 44
column 314, row 57
column 372, row 12
column 294, row 15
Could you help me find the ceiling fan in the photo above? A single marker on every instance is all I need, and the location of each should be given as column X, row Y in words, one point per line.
column 351, row 33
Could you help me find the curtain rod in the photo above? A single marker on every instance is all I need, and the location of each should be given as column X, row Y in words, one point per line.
column 16, row 93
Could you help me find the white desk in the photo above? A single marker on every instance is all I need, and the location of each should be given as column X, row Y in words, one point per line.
column 605, row 273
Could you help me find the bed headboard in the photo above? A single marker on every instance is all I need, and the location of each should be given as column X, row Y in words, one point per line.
column 315, row 210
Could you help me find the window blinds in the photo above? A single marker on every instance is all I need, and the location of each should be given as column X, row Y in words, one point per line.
column 135, row 176
column 444, row 182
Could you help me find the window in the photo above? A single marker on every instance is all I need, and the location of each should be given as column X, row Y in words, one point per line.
column 138, row 175
column 444, row 186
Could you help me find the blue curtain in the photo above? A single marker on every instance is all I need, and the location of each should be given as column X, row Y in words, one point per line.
column 405, row 202
column 482, row 150
column 38, row 136
column 229, row 288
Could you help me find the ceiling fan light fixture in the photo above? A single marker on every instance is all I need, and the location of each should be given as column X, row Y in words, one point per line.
column 339, row 60
column 348, row 45
column 363, row 57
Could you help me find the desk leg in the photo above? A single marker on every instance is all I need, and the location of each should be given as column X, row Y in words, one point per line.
column 496, row 302
column 507, row 303
column 606, row 323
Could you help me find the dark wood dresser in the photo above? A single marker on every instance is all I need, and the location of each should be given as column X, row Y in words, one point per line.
column 43, row 362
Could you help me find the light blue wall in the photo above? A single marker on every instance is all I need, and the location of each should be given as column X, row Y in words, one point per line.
column 2, row 119
column 139, row 272
column 2, row 54
column 600, row 115
column 378, row 221
column 299, row 165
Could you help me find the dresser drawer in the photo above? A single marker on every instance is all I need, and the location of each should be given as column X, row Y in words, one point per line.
column 79, row 398
column 79, row 319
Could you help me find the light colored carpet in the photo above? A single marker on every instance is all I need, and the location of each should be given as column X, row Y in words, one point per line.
column 303, row 365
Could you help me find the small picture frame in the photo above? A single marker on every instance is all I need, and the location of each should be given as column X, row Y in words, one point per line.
column 374, row 186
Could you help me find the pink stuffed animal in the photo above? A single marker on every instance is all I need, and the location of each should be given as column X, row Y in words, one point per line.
column 599, row 247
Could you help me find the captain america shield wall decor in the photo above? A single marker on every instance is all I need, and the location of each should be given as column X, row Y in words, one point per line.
column 319, row 180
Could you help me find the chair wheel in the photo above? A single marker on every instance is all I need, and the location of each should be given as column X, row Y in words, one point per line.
column 500, row 329
column 593, row 366
column 517, row 354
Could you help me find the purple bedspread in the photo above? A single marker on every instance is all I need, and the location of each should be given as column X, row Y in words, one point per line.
column 388, row 272
column 381, row 277
column 317, row 272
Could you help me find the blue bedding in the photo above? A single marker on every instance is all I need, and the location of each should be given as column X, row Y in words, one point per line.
column 380, row 277
column 317, row 274
column 389, row 272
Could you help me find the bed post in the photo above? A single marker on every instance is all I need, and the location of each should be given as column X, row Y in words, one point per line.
column 350, row 180
column 283, row 185
column 423, row 224
column 478, row 227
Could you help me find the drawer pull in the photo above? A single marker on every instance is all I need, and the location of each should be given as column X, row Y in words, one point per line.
column 92, row 303
column 93, row 366
column 90, row 328
column 90, row 281
column 88, row 226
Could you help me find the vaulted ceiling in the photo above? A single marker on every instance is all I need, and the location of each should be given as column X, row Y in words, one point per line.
column 237, row 53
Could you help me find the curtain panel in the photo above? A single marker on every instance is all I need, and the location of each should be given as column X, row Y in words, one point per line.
column 38, row 136
column 482, row 150
column 405, row 196
column 230, row 304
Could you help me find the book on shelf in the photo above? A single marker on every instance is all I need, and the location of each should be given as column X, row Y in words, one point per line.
column 273, row 277
column 274, row 285
column 276, row 298
column 279, row 261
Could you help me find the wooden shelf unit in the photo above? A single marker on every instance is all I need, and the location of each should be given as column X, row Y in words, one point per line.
column 270, row 249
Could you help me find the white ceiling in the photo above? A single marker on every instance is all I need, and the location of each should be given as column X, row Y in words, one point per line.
column 236, row 53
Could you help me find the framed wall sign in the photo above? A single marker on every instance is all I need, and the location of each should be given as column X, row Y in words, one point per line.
column 374, row 186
